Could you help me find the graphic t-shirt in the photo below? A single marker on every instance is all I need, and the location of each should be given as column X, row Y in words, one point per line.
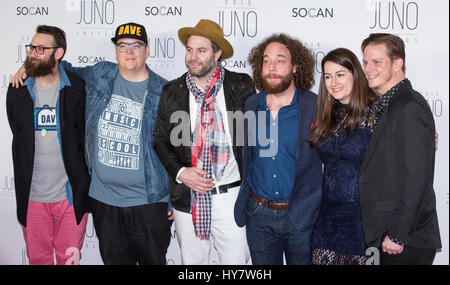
column 49, row 175
column 118, row 177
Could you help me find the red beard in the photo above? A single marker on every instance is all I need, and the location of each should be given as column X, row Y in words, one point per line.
column 277, row 88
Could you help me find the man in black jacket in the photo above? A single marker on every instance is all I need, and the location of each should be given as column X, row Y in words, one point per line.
column 46, row 116
column 196, row 140
column 398, row 203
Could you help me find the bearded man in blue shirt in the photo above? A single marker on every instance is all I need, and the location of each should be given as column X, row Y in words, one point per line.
column 281, row 190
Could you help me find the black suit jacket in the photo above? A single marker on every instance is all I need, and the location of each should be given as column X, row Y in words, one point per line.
column 175, row 98
column 20, row 110
column 396, row 180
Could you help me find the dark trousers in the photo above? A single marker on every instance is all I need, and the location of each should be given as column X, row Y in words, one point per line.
column 270, row 234
column 132, row 235
column 409, row 256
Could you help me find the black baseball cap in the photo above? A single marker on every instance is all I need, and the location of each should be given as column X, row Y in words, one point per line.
column 131, row 30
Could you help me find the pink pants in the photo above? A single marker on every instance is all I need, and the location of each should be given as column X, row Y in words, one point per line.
column 52, row 226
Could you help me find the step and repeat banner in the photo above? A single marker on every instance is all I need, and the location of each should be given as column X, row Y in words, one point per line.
column 322, row 25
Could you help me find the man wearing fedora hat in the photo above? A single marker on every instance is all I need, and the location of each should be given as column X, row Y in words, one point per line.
column 129, row 188
column 205, row 169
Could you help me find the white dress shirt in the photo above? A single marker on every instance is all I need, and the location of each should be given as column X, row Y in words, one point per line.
column 231, row 173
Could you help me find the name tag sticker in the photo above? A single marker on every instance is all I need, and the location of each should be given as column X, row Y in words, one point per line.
column 45, row 118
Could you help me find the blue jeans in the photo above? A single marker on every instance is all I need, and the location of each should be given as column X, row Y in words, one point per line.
column 270, row 234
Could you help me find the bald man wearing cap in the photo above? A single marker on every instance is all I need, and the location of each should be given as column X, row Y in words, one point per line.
column 129, row 188
column 195, row 141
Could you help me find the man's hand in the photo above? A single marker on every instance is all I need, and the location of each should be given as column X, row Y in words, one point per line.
column 170, row 216
column 436, row 140
column 194, row 178
column 17, row 79
column 391, row 247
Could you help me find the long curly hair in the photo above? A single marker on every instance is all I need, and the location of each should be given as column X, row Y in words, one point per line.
column 301, row 57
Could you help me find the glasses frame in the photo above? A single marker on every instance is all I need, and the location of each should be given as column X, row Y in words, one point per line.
column 29, row 48
column 123, row 47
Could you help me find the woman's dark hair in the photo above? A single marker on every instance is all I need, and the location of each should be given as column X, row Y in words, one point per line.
column 327, row 117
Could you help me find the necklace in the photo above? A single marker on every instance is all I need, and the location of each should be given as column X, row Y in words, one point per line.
column 52, row 103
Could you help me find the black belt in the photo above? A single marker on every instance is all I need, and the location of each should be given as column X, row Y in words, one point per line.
column 224, row 188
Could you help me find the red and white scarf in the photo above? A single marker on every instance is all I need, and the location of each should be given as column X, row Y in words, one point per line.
column 210, row 150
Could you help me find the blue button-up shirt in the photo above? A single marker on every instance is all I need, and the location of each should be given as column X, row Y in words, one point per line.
column 271, row 174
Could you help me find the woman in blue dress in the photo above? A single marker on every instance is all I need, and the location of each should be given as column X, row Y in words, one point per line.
column 340, row 135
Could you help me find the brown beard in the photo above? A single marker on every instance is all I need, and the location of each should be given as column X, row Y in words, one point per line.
column 280, row 87
column 36, row 68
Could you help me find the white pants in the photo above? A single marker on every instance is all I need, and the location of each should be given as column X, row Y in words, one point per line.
column 229, row 240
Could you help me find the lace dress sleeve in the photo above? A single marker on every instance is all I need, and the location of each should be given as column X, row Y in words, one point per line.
column 371, row 113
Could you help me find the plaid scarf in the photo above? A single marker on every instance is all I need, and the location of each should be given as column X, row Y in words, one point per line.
column 210, row 149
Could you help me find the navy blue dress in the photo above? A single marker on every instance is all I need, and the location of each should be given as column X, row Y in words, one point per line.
column 338, row 236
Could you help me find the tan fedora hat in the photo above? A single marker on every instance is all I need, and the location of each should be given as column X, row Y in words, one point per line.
column 210, row 30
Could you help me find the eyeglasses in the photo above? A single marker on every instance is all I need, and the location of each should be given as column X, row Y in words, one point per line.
column 135, row 46
column 38, row 49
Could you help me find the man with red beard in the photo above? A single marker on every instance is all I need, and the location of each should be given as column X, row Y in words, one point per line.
column 280, row 193
column 46, row 116
column 205, row 173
